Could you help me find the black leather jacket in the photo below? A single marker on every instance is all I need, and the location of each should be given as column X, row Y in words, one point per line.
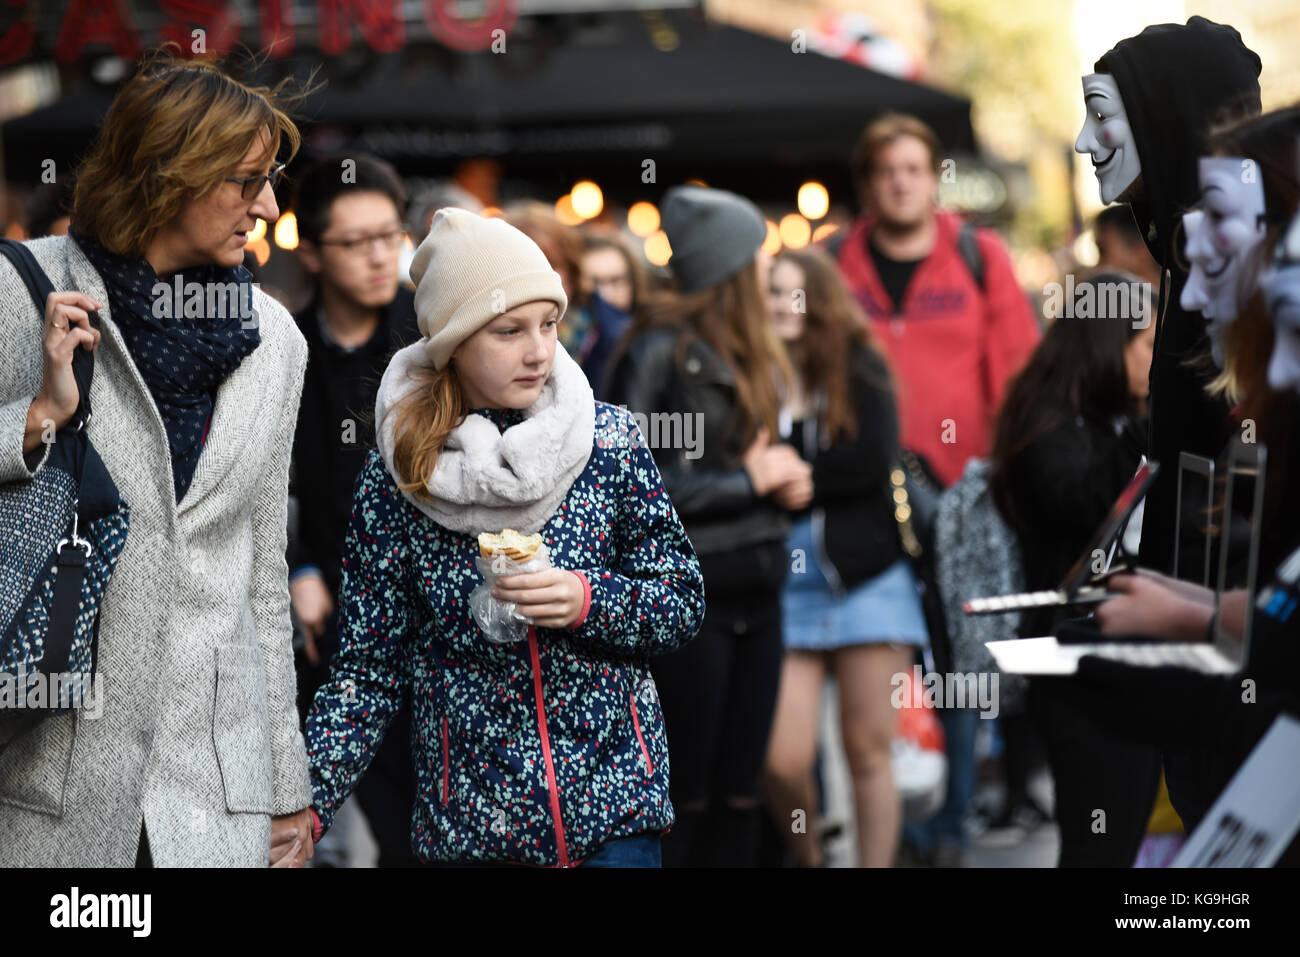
column 707, row 483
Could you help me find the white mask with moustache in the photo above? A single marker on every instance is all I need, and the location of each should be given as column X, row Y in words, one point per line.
column 1107, row 137
column 1282, row 298
column 1220, row 237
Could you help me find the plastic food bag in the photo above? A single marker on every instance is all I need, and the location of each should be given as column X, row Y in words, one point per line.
column 500, row 621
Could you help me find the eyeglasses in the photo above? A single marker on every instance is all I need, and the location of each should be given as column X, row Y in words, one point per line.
column 251, row 187
column 388, row 240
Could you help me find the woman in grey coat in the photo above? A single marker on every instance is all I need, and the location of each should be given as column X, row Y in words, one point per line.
column 192, row 755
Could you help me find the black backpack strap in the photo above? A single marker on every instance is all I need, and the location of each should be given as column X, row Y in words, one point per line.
column 39, row 288
column 29, row 270
column 968, row 247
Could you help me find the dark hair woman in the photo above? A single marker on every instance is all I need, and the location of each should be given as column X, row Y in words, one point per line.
column 851, row 609
column 196, row 388
column 1066, row 442
column 704, row 369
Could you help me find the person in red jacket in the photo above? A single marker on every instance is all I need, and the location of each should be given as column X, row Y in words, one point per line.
column 942, row 297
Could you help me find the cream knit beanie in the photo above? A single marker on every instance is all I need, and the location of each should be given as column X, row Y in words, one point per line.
column 471, row 269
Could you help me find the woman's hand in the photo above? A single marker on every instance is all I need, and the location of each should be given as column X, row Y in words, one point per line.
column 67, row 326
column 1145, row 607
column 1197, row 593
column 772, row 466
column 795, row 495
column 291, row 844
column 552, row 598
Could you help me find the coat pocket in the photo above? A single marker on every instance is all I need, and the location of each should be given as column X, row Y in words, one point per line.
column 35, row 765
column 239, row 730
column 640, row 736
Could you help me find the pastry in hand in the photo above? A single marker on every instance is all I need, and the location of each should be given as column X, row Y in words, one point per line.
column 510, row 543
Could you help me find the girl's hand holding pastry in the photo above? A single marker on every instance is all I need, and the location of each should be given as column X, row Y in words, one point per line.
column 552, row 598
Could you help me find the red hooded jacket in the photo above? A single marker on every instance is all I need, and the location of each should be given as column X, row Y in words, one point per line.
column 952, row 345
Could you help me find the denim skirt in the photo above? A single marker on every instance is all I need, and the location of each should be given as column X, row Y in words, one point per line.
column 885, row 609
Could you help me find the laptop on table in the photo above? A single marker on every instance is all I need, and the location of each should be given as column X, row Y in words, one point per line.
column 1226, row 655
column 1081, row 585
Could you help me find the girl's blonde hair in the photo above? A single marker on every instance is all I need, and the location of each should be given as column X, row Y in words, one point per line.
column 173, row 133
column 422, row 420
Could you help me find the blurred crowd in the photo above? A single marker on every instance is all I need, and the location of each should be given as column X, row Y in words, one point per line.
column 848, row 392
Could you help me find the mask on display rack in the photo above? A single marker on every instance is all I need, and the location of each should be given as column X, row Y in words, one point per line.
column 1107, row 137
column 1282, row 298
column 1221, row 233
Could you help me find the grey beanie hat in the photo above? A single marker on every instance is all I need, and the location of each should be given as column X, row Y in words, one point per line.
column 713, row 234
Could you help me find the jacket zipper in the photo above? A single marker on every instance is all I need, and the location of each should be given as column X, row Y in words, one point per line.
column 636, row 723
column 823, row 557
column 551, row 784
column 811, row 443
column 446, row 769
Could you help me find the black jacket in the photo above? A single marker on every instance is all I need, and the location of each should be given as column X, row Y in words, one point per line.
column 738, row 536
column 339, row 387
column 1176, row 81
column 1059, row 489
column 852, row 506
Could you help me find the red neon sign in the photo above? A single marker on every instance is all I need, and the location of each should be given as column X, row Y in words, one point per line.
column 108, row 23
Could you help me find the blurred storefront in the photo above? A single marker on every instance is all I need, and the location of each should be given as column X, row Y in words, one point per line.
column 630, row 96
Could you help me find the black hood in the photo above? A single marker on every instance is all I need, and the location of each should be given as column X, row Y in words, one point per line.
column 1177, row 81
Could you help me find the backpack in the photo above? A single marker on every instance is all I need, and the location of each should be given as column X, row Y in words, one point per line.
column 976, row 554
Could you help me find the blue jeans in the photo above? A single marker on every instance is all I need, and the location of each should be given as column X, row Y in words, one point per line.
column 959, row 726
column 639, row 850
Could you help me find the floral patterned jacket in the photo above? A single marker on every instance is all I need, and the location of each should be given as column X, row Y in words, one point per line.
column 536, row 752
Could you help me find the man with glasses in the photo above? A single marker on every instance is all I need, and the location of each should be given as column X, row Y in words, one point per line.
column 351, row 228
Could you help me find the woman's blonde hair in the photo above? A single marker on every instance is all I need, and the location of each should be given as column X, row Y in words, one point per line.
column 422, row 420
column 173, row 133
column 732, row 318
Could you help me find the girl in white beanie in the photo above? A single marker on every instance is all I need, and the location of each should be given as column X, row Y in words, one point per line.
column 550, row 751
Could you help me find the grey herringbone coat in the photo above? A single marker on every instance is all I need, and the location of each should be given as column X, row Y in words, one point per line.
column 198, row 734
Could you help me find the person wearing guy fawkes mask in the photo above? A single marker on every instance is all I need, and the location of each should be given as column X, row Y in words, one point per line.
column 1149, row 105
column 1203, row 715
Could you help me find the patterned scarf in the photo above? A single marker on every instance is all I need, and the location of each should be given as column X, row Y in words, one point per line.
column 182, row 357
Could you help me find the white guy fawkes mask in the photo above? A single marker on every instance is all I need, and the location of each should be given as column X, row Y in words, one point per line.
column 1220, row 236
column 1107, row 137
column 1282, row 298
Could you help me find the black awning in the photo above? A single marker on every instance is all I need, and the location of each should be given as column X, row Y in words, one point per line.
column 725, row 88
column 723, row 96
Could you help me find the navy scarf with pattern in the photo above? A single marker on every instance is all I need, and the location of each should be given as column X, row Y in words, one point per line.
column 182, row 358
